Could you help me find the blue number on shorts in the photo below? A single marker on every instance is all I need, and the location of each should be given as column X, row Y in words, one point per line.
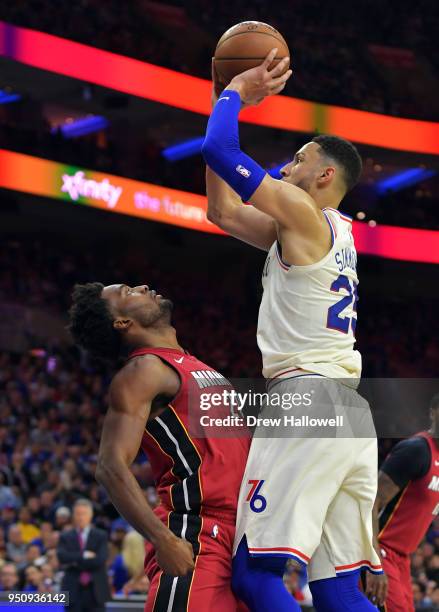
column 258, row 503
column 334, row 320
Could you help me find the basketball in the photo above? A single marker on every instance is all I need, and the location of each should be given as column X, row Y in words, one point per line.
column 244, row 46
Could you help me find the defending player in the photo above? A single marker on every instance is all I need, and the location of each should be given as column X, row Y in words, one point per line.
column 188, row 560
column 315, row 493
column 408, row 500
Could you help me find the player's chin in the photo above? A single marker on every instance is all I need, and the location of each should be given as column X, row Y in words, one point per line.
column 165, row 304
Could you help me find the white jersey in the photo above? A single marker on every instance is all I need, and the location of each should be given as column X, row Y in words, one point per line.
column 308, row 313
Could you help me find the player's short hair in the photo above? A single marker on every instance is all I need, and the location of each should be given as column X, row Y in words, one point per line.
column 91, row 323
column 345, row 155
column 434, row 402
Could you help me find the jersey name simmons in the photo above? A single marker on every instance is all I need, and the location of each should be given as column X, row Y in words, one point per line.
column 308, row 314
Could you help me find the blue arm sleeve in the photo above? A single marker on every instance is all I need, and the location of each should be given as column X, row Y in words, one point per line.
column 221, row 150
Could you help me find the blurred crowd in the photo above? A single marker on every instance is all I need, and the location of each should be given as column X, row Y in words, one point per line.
column 340, row 52
column 50, row 421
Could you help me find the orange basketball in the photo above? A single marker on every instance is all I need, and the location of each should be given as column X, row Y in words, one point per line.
column 244, row 46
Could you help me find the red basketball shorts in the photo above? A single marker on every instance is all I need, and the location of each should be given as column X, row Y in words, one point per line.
column 208, row 587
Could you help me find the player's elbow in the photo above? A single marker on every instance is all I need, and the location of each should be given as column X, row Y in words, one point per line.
column 208, row 155
column 101, row 472
column 106, row 470
column 210, row 150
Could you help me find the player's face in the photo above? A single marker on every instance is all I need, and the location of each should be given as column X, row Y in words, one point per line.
column 140, row 303
column 305, row 168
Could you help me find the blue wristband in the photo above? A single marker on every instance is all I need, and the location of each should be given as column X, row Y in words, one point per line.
column 221, row 150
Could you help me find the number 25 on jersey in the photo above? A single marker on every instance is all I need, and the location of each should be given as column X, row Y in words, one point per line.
column 335, row 321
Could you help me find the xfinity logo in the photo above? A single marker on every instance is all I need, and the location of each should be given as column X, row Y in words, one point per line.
column 242, row 170
column 78, row 186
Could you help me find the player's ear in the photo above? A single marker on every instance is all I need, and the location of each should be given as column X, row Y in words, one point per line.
column 326, row 175
column 122, row 324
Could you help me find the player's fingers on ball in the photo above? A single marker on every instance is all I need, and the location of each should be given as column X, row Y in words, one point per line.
column 280, row 67
column 281, row 80
column 270, row 57
column 277, row 90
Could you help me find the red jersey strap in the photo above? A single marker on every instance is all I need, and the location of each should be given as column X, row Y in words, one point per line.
column 155, row 351
column 172, row 358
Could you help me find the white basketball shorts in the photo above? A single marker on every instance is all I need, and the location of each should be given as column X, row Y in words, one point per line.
column 311, row 481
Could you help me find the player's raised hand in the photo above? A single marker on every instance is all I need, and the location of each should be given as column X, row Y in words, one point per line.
column 257, row 83
column 175, row 556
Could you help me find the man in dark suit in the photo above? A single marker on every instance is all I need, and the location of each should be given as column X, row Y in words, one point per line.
column 82, row 552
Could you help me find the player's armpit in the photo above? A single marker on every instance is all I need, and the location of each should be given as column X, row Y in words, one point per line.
column 225, row 209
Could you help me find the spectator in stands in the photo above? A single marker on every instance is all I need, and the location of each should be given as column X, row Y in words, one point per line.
column 50, row 580
column 52, row 562
column 45, row 538
column 83, row 553
column 16, row 548
column 63, row 518
column 129, row 562
column 9, row 579
column 8, row 499
column 7, row 517
column 33, row 579
column 29, row 531
column 33, row 555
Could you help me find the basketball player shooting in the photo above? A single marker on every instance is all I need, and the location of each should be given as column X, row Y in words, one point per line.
column 190, row 534
column 318, row 491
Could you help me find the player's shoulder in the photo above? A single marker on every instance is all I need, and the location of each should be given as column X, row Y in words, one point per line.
column 411, row 445
column 143, row 370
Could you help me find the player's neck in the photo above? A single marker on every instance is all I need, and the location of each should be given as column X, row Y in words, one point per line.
column 326, row 199
column 162, row 337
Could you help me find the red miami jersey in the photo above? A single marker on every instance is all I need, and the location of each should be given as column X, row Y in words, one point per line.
column 416, row 507
column 193, row 475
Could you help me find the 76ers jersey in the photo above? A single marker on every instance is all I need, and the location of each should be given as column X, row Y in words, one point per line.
column 308, row 314
column 193, row 475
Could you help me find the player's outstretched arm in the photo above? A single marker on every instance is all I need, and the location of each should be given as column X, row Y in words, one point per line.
column 225, row 209
column 292, row 208
column 131, row 394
